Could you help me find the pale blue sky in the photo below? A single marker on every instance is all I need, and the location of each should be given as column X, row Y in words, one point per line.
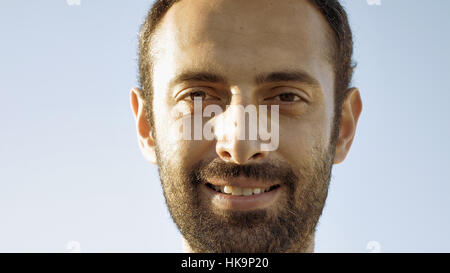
column 70, row 168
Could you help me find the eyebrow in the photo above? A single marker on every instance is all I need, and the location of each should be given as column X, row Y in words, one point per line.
column 287, row 76
column 264, row 78
column 197, row 76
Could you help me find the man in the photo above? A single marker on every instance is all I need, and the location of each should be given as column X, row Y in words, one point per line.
column 229, row 194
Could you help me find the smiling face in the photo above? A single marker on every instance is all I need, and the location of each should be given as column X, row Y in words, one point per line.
column 228, row 194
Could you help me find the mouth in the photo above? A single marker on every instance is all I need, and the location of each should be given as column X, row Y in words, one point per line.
column 237, row 195
column 240, row 191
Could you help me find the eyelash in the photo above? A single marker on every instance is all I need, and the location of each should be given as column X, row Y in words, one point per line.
column 187, row 95
column 288, row 93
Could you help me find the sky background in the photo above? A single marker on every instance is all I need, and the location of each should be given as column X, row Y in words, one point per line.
column 71, row 170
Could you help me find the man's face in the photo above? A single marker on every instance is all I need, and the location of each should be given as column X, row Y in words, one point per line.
column 216, row 190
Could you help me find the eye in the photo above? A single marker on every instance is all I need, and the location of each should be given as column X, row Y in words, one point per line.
column 198, row 94
column 287, row 97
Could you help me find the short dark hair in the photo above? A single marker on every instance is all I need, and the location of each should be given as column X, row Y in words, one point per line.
column 342, row 43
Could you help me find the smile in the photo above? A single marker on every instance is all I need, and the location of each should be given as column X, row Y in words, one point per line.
column 241, row 194
column 239, row 191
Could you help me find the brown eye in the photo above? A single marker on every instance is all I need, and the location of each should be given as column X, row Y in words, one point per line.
column 197, row 94
column 288, row 97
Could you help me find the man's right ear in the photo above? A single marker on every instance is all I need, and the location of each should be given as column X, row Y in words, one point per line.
column 145, row 139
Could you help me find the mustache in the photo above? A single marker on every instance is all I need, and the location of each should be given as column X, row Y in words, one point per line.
column 267, row 171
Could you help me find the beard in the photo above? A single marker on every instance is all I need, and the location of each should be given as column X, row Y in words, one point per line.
column 287, row 226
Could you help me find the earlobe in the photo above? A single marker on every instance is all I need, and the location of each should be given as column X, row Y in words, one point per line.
column 351, row 110
column 145, row 139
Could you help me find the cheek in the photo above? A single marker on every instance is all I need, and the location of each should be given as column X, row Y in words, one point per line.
column 301, row 136
column 174, row 144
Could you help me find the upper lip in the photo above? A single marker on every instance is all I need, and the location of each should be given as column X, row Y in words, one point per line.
column 242, row 182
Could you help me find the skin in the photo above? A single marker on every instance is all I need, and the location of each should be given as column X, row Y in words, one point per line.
column 239, row 40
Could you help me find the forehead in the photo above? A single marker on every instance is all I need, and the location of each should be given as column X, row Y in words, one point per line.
column 237, row 37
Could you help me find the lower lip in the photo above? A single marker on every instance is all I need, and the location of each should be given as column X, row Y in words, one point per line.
column 238, row 202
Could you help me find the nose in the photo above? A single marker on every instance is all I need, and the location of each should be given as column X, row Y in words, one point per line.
column 233, row 144
column 240, row 152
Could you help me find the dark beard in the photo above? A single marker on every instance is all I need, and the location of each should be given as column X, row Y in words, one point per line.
column 286, row 229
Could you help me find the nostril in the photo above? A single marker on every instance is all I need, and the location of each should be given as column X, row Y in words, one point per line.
column 225, row 154
column 256, row 156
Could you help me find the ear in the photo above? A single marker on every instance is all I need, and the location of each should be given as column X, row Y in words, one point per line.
column 145, row 139
column 351, row 109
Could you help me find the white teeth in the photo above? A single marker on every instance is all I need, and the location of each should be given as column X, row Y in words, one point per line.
column 239, row 191
column 247, row 191
column 236, row 191
column 256, row 191
column 227, row 189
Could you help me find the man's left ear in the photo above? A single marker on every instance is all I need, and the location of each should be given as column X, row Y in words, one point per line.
column 351, row 109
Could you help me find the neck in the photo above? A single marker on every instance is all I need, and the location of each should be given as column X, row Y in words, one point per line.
column 308, row 249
